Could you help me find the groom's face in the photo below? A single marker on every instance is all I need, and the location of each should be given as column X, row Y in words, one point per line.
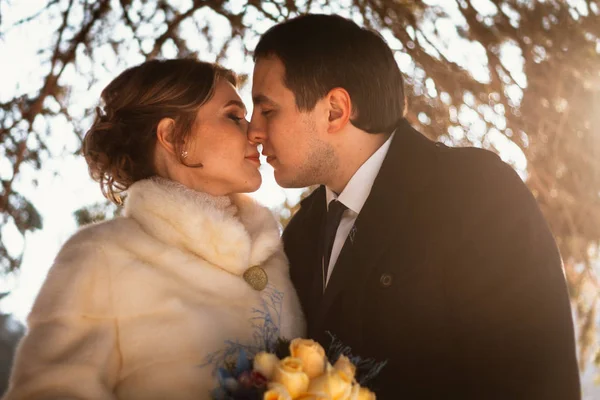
column 294, row 141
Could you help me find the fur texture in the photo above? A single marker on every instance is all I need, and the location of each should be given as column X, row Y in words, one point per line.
column 131, row 307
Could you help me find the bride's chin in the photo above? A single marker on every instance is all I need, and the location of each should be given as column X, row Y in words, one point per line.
column 253, row 183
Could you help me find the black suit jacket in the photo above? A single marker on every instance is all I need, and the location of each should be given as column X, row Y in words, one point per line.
column 452, row 275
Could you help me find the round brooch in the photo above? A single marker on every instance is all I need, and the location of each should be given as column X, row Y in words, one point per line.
column 256, row 277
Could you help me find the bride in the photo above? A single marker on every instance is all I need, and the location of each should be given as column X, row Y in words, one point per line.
column 132, row 307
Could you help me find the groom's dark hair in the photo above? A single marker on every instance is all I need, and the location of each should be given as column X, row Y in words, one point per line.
column 322, row 52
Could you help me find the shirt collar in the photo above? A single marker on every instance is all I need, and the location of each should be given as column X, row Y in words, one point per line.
column 359, row 187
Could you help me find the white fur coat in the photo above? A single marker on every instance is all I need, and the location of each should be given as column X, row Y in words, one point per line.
column 131, row 307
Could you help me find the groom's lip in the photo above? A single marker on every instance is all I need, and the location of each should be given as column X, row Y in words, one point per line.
column 270, row 159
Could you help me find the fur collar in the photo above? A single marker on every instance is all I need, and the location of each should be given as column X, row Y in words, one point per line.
column 231, row 232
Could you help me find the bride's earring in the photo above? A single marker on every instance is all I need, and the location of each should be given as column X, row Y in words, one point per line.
column 184, row 155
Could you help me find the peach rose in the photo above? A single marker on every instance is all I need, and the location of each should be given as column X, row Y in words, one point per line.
column 361, row 393
column 365, row 394
column 313, row 396
column 335, row 383
column 343, row 364
column 312, row 355
column 277, row 392
column 265, row 363
column 290, row 374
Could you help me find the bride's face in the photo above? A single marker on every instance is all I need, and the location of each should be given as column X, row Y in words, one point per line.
column 219, row 143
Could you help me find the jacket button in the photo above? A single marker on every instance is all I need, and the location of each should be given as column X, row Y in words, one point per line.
column 385, row 280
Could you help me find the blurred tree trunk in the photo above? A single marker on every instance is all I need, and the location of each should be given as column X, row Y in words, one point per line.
column 11, row 332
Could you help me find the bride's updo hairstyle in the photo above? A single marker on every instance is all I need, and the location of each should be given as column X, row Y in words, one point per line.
column 119, row 147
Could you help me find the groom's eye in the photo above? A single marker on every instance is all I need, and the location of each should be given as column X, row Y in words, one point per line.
column 266, row 113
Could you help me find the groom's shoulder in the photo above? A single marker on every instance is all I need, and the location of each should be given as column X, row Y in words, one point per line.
column 447, row 167
column 429, row 158
column 470, row 172
column 443, row 171
column 467, row 160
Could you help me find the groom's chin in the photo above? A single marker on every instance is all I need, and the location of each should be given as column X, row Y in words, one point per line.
column 285, row 180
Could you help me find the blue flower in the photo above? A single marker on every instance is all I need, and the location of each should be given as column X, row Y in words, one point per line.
column 243, row 363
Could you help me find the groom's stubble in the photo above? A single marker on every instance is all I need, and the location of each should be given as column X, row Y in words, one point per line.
column 320, row 163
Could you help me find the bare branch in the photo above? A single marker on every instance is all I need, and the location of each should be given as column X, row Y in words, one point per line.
column 37, row 14
column 172, row 27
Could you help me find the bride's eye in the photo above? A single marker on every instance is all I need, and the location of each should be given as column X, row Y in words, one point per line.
column 237, row 119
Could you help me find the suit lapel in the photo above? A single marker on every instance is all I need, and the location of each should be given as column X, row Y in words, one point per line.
column 305, row 255
column 384, row 216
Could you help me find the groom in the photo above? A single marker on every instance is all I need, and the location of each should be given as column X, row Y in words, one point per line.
column 433, row 258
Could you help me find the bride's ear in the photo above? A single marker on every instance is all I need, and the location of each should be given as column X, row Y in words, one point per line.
column 340, row 109
column 165, row 135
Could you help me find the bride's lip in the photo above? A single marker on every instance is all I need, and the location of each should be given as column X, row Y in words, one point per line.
column 255, row 159
column 270, row 159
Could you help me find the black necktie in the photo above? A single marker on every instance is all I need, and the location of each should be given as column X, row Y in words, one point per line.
column 334, row 216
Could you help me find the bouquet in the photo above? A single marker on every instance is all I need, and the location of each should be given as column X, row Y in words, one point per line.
column 306, row 373
column 278, row 369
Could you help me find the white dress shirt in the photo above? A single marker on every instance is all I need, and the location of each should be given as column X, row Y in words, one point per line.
column 354, row 197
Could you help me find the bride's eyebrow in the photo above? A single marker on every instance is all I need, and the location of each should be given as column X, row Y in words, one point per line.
column 235, row 103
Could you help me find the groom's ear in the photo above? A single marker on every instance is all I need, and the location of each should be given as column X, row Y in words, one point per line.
column 165, row 134
column 340, row 109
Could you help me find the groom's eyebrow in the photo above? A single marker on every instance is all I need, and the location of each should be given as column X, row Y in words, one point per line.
column 260, row 99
